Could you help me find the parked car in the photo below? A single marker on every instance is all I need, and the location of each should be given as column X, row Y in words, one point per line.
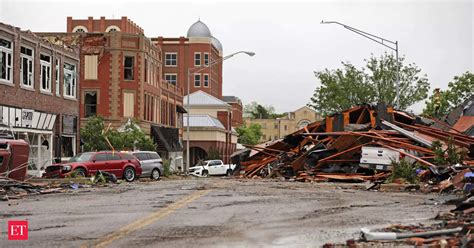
column 152, row 164
column 211, row 167
column 122, row 165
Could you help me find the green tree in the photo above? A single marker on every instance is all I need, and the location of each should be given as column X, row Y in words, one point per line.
column 346, row 87
column 459, row 90
column 130, row 138
column 257, row 111
column 249, row 135
column 92, row 135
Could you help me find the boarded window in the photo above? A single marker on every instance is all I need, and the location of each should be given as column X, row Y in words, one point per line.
column 128, row 104
column 90, row 67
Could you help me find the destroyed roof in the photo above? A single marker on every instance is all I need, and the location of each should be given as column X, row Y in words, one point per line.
column 202, row 98
column 202, row 121
column 337, row 141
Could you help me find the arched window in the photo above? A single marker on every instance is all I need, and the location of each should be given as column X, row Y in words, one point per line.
column 303, row 123
column 112, row 28
column 79, row 29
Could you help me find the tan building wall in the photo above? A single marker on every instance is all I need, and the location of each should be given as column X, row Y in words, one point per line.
column 273, row 129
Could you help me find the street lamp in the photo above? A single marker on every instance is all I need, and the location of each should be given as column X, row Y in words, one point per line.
column 382, row 41
column 192, row 71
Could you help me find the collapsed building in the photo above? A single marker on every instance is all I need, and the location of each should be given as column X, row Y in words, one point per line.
column 359, row 144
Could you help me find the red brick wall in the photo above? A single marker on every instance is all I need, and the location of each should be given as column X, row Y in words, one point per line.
column 100, row 25
column 185, row 56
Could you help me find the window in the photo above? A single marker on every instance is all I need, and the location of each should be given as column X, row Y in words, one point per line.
column 6, row 61
column 197, row 59
column 57, row 76
column 128, row 68
column 141, row 156
column 90, row 67
column 206, row 80
column 206, row 58
column 69, row 80
column 101, row 157
column 112, row 28
column 286, row 127
column 45, row 62
column 79, row 29
column 171, row 59
column 26, row 67
column 90, row 103
column 197, row 80
column 128, row 104
column 146, row 72
column 171, row 78
column 113, row 156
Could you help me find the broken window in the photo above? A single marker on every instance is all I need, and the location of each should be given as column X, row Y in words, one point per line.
column 67, row 146
column 6, row 61
column 90, row 103
column 128, row 68
column 57, row 76
column 171, row 59
column 26, row 67
column 45, row 72
column 69, row 80
column 197, row 80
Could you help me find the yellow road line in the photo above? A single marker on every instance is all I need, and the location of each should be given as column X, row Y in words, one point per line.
column 147, row 220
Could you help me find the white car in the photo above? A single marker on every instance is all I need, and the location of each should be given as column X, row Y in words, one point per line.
column 211, row 167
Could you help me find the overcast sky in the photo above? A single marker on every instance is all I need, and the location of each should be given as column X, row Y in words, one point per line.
column 287, row 37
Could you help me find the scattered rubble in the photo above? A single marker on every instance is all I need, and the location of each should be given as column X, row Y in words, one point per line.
column 455, row 229
column 366, row 143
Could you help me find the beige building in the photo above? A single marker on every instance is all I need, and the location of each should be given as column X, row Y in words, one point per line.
column 273, row 129
column 210, row 123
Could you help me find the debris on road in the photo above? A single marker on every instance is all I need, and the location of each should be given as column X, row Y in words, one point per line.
column 368, row 143
column 12, row 189
column 456, row 229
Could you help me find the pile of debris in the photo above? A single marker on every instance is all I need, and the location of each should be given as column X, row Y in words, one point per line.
column 455, row 229
column 11, row 189
column 365, row 143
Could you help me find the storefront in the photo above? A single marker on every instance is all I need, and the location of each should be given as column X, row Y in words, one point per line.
column 36, row 128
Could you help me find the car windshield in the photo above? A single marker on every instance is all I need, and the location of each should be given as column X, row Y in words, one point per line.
column 81, row 157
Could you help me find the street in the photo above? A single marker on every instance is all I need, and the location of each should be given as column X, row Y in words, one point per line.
column 211, row 212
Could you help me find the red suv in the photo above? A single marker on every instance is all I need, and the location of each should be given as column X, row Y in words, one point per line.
column 123, row 165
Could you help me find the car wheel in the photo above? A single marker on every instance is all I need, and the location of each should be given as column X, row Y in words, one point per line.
column 129, row 174
column 228, row 173
column 205, row 173
column 80, row 172
column 155, row 174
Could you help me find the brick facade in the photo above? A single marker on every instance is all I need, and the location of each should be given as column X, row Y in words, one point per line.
column 14, row 94
column 186, row 48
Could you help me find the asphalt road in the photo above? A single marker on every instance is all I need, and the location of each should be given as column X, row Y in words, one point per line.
column 210, row 212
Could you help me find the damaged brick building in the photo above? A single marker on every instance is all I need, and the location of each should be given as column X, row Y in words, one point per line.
column 121, row 75
column 39, row 95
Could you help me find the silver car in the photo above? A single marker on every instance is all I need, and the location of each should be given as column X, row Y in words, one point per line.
column 152, row 164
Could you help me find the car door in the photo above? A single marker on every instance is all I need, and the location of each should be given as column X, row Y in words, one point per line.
column 99, row 162
column 115, row 163
column 220, row 166
column 214, row 167
column 145, row 162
